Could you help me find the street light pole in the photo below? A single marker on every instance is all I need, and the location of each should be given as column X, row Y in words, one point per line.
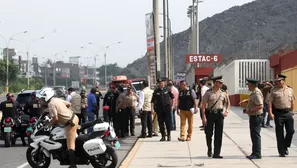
column 28, row 60
column 7, row 57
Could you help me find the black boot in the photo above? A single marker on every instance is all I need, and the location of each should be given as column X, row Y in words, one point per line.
column 168, row 137
column 163, row 138
column 72, row 158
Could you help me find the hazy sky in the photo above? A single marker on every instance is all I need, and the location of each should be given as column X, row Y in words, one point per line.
column 70, row 24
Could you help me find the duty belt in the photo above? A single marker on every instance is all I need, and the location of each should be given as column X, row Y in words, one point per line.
column 286, row 110
column 70, row 122
column 215, row 111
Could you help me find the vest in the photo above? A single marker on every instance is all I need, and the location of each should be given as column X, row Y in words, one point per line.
column 75, row 103
column 186, row 100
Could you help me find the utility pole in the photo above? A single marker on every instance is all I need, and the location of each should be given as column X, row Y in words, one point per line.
column 157, row 37
column 169, row 43
column 165, row 39
column 105, row 71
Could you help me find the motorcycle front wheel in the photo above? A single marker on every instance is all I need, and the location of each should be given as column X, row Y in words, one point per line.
column 102, row 160
column 42, row 160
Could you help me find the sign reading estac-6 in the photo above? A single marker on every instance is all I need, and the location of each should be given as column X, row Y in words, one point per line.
column 203, row 58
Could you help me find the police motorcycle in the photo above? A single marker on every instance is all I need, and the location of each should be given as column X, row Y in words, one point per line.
column 89, row 148
column 13, row 128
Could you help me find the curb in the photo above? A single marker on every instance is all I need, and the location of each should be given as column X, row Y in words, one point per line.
column 131, row 154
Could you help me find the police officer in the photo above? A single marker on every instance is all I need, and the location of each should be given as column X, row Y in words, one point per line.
column 61, row 113
column 33, row 108
column 9, row 109
column 281, row 103
column 213, row 114
column 254, row 110
column 110, row 101
column 120, row 112
column 84, row 106
column 99, row 96
column 131, row 101
column 163, row 99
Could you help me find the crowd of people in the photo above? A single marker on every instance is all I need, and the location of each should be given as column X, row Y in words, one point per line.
column 158, row 109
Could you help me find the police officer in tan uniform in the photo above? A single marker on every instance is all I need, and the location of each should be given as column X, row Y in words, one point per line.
column 60, row 112
column 213, row 115
column 121, row 112
column 254, row 110
column 281, row 104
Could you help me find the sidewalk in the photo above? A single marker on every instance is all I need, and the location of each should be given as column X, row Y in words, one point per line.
column 151, row 153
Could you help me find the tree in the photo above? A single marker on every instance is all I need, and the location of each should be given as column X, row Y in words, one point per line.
column 12, row 73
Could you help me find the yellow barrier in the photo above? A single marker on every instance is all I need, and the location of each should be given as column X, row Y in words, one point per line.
column 242, row 97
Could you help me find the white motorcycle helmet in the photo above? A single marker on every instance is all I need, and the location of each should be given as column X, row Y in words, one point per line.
column 47, row 95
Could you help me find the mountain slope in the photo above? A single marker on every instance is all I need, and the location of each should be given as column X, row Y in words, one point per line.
column 248, row 31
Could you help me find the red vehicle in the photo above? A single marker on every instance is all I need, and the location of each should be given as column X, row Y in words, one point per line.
column 121, row 81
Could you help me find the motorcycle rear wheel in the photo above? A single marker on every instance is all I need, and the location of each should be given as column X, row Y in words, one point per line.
column 110, row 152
column 7, row 139
column 33, row 163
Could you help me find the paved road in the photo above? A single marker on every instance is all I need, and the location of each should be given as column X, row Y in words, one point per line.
column 238, row 112
column 15, row 157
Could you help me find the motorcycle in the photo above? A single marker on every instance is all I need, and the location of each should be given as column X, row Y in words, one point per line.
column 29, row 129
column 90, row 149
column 9, row 131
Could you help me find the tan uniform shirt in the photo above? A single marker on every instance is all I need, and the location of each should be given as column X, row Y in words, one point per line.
column 84, row 102
column 210, row 97
column 148, row 94
column 131, row 100
column 121, row 100
column 281, row 98
column 58, row 107
column 256, row 99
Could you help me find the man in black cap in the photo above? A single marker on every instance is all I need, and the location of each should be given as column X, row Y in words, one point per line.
column 281, row 104
column 213, row 115
column 163, row 99
column 254, row 110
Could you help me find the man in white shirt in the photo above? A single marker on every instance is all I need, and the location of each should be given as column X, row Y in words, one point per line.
column 203, row 89
column 146, row 111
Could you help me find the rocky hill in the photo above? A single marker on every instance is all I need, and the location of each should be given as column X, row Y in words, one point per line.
column 248, row 31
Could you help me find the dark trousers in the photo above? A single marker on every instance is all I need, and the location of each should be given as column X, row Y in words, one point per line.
column 173, row 124
column 283, row 120
column 80, row 116
column 214, row 120
column 146, row 122
column 265, row 110
column 255, row 129
column 164, row 118
column 84, row 113
column 130, row 120
column 118, row 124
column 105, row 116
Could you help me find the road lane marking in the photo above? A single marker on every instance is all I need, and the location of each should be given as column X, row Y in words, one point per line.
column 23, row 165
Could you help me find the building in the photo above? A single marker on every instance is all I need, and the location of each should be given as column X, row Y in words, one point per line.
column 284, row 60
column 74, row 60
column 236, row 72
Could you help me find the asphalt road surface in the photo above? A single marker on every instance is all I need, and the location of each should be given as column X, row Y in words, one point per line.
column 15, row 157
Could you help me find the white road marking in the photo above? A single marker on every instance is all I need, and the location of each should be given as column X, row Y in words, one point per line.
column 23, row 165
